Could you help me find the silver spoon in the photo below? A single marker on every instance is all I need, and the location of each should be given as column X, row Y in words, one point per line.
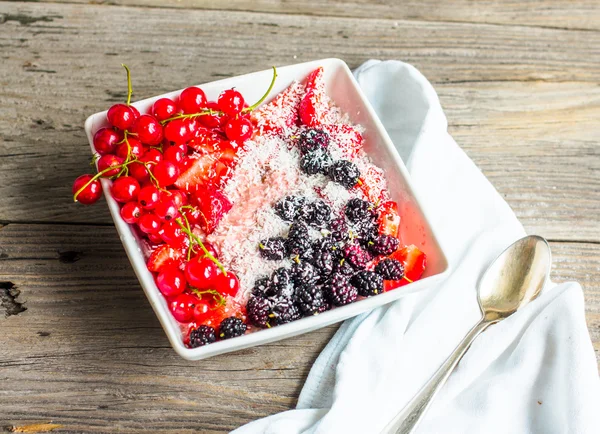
column 514, row 279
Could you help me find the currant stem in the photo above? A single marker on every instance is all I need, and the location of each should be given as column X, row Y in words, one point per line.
column 407, row 279
column 190, row 234
column 98, row 175
column 129, row 89
column 259, row 102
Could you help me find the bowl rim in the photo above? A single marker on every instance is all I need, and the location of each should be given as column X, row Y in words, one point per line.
column 294, row 328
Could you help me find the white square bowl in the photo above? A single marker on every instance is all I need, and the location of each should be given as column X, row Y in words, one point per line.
column 415, row 228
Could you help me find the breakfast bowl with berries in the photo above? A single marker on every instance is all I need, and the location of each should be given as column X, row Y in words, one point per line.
column 260, row 207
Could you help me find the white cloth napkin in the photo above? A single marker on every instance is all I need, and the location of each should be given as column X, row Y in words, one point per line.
column 533, row 373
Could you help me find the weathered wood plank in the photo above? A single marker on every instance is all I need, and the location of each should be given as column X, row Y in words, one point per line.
column 89, row 344
column 492, row 81
column 580, row 14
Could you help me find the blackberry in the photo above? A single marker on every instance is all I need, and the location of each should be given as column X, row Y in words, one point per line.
column 339, row 229
column 203, row 335
column 342, row 266
column 315, row 162
column 359, row 211
column 298, row 242
column 231, row 327
column 368, row 283
column 283, row 311
column 357, row 256
column 323, row 262
column 344, row 172
column 340, row 291
column 281, row 282
column 318, row 214
column 366, row 232
column 262, row 287
column 290, row 207
column 257, row 310
column 304, row 273
column 273, row 249
column 384, row 245
column 390, row 269
column 313, row 139
column 310, row 299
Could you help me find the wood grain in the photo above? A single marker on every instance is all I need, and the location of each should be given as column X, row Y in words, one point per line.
column 66, row 65
column 89, row 343
column 564, row 14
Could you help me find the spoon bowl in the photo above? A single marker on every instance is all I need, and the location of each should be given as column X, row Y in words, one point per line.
column 515, row 278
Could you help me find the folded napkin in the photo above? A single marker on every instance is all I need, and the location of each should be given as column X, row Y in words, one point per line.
column 533, row 373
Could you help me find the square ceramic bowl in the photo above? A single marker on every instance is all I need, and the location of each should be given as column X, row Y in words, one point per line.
column 415, row 228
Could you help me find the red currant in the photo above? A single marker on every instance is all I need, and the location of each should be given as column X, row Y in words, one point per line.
column 89, row 194
column 155, row 239
column 171, row 282
column 164, row 108
column 177, row 131
column 211, row 249
column 227, row 285
column 125, row 189
column 105, row 140
column 107, row 161
column 136, row 112
column 139, row 172
column 193, row 125
column 182, row 307
column 202, row 311
column 148, row 197
column 192, row 100
column 121, row 116
column 231, row 102
column 166, row 210
column 201, row 272
column 152, row 155
column 165, row 172
column 148, row 129
column 131, row 212
column 171, row 234
column 239, row 129
column 178, row 197
column 212, row 121
column 149, row 223
column 135, row 147
column 174, row 154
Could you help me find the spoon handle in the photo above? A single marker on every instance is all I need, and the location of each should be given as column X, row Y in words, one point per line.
column 410, row 416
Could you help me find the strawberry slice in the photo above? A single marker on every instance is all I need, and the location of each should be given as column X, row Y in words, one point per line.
column 195, row 172
column 414, row 262
column 347, row 137
column 281, row 113
column 388, row 221
column 314, row 104
column 164, row 256
column 212, row 204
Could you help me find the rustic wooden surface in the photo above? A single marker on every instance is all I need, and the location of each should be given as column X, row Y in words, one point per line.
column 518, row 81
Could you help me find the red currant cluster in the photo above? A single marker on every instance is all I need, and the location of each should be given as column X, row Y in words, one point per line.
column 167, row 168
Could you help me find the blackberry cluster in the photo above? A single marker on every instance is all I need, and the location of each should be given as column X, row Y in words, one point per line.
column 313, row 139
column 318, row 214
column 357, row 256
column 257, row 310
column 390, row 269
column 359, row 211
column 284, row 310
column 231, row 327
column 262, row 287
column 290, row 208
column 339, row 229
column 274, row 249
column 315, row 162
column 340, row 291
column 304, row 273
column 368, row 283
column 281, row 282
column 384, row 245
column 310, row 299
column 203, row 335
column 345, row 173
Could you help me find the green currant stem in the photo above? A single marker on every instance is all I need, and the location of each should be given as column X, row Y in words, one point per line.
column 259, row 102
column 192, row 115
column 190, row 234
column 216, row 295
column 99, row 174
column 129, row 89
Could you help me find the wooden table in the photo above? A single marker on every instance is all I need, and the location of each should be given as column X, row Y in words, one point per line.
column 518, row 81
